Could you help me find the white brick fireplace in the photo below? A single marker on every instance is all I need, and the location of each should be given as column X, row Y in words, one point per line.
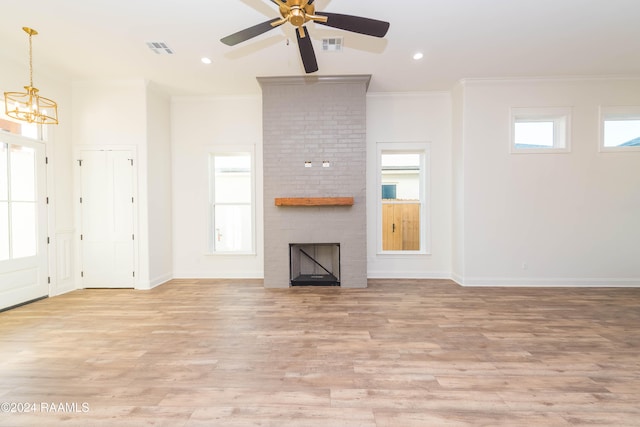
column 314, row 147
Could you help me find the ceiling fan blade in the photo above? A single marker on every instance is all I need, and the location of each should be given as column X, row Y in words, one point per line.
column 251, row 32
column 307, row 53
column 355, row 24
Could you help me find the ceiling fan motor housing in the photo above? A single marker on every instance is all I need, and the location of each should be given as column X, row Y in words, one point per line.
column 297, row 17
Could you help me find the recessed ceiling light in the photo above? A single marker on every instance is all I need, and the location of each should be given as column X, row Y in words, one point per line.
column 205, row 60
column 418, row 56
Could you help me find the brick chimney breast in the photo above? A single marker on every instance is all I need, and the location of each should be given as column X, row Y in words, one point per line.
column 314, row 146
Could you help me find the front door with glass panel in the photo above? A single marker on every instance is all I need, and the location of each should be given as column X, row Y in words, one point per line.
column 23, row 221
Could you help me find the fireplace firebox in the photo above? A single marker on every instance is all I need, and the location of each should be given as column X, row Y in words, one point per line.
column 314, row 264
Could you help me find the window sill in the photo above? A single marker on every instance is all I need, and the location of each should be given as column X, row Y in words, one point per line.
column 230, row 254
column 618, row 149
column 402, row 254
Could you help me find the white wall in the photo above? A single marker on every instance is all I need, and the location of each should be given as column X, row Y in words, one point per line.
column 109, row 112
column 125, row 113
column 546, row 219
column 159, row 208
column 457, row 184
column 198, row 126
column 201, row 124
column 568, row 218
column 402, row 118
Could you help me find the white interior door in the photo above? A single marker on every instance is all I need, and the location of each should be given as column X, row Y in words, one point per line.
column 107, row 212
column 23, row 221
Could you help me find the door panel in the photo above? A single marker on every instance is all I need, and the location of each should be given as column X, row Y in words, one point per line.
column 107, row 219
column 23, row 221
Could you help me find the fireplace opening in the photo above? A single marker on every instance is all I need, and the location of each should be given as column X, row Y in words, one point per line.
column 314, row 264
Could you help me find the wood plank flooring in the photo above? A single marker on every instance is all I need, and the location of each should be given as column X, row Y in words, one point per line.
column 400, row 353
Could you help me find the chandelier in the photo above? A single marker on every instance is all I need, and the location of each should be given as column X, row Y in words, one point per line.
column 29, row 106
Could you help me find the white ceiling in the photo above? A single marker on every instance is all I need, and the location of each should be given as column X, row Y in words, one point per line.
column 460, row 39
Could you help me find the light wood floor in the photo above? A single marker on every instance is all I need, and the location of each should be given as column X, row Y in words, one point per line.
column 400, row 353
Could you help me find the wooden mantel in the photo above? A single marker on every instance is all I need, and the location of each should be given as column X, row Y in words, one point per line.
column 314, row 201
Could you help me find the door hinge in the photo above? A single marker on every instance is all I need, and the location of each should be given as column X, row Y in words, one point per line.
column 79, row 162
column 82, row 274
column 81, row 236
column 48, row 241
column 47, row 199
column 80, row 199
column 133, row 237
column 131, row 160
column 46, row 160
column 134, row 274
column 49, row 280
column 132, row 200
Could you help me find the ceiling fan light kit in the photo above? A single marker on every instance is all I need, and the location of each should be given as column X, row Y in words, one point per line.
column 298, row 13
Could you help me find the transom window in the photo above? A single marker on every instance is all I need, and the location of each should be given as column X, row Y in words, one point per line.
column 620, row 129
column 28, row 130
column 540, row 130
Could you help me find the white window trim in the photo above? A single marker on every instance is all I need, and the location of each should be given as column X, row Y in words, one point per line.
column 424, row 148
column 616, row 112
column 561, row 118
column 231, row 149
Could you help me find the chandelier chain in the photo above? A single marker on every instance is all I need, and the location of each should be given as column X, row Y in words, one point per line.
column 30, row 61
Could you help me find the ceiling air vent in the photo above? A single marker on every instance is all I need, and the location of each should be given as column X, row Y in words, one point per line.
column 332, row 45
column 160, row 48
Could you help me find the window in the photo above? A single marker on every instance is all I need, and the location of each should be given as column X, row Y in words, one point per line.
column 402, row 198
column 620, row 129
column 18, row 202
column 540, row 130
column 232, row 201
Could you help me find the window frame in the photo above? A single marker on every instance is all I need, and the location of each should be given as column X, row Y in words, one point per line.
column 424, row 150
column 39, row 198
column 559, row 116
column 616, row 113
column 229, row 151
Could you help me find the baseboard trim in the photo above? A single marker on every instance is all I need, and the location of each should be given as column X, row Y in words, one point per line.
column 408, row 275
column 550, row 283
column 222, row 275
column 155, row 282
column 23, row 303
column 440, row 275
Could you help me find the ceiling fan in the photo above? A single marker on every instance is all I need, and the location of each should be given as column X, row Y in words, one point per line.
column 298, row 13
